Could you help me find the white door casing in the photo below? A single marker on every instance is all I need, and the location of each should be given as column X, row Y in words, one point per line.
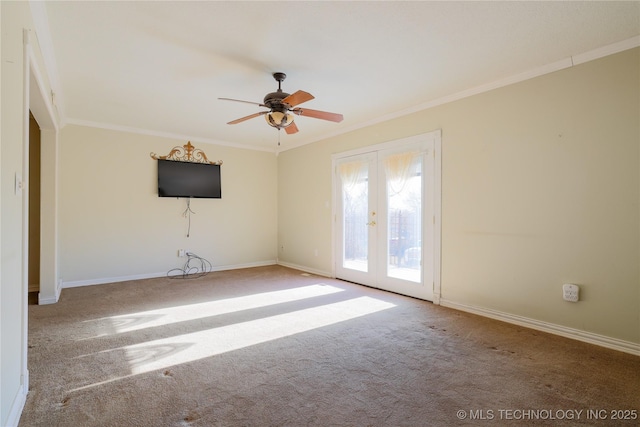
column 387, row 216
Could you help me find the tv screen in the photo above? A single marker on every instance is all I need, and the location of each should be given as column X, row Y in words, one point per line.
column 183, row 179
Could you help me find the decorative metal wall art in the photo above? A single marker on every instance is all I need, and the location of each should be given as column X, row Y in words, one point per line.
column 186, row 153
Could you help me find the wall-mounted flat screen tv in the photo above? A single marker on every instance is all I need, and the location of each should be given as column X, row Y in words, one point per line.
column 183, row 179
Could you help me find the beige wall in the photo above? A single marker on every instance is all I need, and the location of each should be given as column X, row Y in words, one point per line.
column 113, row 225
column 540, row 187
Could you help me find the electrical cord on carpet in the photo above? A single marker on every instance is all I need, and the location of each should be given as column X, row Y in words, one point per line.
column 193, row 268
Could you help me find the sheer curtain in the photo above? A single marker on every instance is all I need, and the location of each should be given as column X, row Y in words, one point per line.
column 398, row 169
column 351, row 173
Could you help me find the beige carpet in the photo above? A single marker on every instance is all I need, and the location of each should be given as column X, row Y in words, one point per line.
column 269, row 346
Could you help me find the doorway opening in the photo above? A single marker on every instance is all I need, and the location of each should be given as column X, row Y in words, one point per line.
column 34, row 209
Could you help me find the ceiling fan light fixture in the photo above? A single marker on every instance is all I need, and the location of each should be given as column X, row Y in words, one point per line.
column 279, row 119
column 283, row 107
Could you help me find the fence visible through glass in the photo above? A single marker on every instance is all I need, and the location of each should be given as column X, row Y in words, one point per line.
column 355, row 202
column 404, row 227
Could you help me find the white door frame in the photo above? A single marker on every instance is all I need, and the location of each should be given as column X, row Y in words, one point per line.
column 37, row 101
column 437, row 202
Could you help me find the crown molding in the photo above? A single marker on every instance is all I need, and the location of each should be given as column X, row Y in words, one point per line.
column 517, row 78
column 611, row 49
column 169, row 135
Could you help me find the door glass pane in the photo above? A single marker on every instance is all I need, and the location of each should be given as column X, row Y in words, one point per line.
column 404, row 213
column 355, row 205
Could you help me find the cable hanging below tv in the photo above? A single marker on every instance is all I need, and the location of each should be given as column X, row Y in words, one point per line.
column 187, row 172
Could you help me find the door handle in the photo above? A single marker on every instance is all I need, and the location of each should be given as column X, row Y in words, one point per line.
column 372, row 223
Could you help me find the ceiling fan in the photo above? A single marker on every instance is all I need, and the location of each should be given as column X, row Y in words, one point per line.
column 283, row 106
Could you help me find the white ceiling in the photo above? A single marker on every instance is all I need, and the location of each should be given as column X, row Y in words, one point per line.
column 159, row 67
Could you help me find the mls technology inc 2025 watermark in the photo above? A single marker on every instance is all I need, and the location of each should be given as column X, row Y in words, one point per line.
column 548, row 414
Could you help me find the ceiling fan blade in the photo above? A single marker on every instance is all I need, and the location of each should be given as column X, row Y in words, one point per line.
column 292, row 128
column 246, row 102
column 242, row 119
column 297, row 98
column 324, row 115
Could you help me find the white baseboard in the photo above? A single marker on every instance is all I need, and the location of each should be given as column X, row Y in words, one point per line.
column 305, row 269
column 17, row 406
column 105, row 280
column 50, row 299
column 577, row 334
column 247, row 265
column 44, row 300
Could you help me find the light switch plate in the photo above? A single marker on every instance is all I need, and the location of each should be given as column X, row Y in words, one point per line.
column 17, row 189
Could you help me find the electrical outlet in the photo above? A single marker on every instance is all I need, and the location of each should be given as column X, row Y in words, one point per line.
column 181, row 252
column 570, row 292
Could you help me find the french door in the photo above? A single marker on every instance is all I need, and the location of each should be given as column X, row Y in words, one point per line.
column 385, row 217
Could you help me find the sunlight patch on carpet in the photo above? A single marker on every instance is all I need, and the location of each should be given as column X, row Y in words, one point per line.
column 168, row 315
column 162, row 353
